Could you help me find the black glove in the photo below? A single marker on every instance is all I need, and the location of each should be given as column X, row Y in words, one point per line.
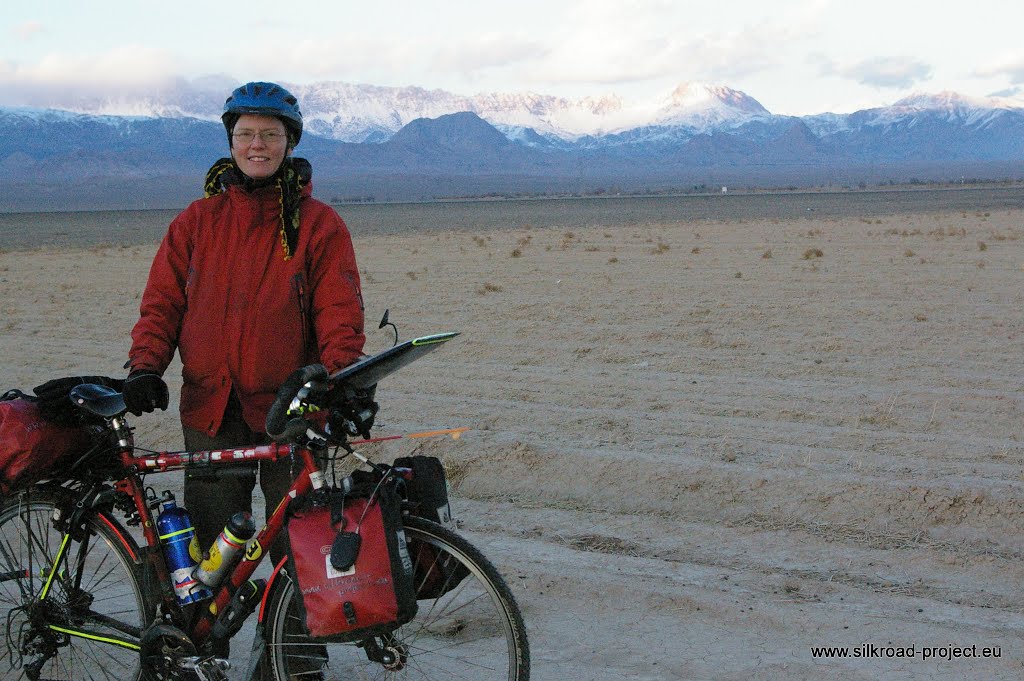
column 54, row 404
column 355, row 415
column 144, row 391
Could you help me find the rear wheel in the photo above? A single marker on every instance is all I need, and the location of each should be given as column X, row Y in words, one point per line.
column 85, row 623
column 468, row 627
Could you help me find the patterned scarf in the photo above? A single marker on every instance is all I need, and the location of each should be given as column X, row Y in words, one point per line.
column 290, row 178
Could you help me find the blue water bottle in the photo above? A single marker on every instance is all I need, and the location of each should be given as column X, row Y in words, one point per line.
column 181, row 550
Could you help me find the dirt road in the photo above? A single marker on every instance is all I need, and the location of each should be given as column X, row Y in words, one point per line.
column 699, row 451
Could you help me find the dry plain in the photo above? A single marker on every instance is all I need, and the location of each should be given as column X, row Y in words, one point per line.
column 700, row 447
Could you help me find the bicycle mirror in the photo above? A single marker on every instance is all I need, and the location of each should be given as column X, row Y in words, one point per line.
column 344, row 550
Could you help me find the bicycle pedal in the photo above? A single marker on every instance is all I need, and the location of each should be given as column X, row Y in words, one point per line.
column 207, row 669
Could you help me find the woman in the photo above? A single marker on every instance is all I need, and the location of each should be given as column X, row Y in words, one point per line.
column 250, row 283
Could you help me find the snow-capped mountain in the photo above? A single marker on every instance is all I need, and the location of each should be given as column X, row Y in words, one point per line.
column 954, row 108
column 357, row 133
column 369, row 113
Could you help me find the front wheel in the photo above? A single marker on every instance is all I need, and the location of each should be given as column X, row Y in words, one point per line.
column 468, row 626
column 80, row 622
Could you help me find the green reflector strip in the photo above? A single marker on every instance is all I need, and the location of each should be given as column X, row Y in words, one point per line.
column 175, row 534
column 53, row 570
column 96, row 637
column 232, row 538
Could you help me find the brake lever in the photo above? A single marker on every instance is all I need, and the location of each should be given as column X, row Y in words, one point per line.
column 301, row 404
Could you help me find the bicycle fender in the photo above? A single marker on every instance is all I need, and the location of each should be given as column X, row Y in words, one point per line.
column 126, row 539
column 271, row 583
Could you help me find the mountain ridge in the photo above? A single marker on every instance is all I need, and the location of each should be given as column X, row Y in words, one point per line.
column 352, row 112
column 696, row 135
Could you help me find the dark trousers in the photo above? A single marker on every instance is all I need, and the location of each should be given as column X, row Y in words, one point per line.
column 213, row 495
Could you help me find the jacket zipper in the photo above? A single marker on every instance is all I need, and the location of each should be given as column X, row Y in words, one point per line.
column 299, row 287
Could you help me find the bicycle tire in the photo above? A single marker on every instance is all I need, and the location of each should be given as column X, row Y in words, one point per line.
column 88, row 626
column 472, row 631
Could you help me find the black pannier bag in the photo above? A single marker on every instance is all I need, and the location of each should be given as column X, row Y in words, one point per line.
column 351, row 563
column 434, row 574
column 427, row 492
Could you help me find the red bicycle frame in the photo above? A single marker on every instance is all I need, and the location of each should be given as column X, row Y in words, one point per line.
column 311, row 477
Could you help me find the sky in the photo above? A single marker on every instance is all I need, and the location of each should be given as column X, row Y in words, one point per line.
column 796, row 57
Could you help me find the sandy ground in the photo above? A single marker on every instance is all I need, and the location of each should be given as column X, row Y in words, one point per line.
column 698, row 450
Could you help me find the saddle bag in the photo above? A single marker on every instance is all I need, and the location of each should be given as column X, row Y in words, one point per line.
column 351, row 563
column 30, row 445
column 434, row 573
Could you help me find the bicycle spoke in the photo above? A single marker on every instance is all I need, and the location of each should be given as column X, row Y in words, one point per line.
column 471, row 631
column 15, row 571
column 88, row 625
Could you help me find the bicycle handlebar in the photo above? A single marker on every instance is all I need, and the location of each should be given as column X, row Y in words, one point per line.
column 295, row 398
column 311, row 388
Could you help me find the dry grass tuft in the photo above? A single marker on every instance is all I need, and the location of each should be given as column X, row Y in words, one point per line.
column 812, row 253
column 488, row 288
column 602, row 544
column 883, row 414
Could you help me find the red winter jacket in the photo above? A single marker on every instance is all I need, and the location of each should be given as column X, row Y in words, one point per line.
column 240, row 315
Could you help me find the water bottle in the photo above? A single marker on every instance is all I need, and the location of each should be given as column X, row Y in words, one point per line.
column 181, row 550
column 226, row 546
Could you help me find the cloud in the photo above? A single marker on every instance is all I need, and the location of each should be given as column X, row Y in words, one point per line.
column 346, row 57
column 492, row 51
column 881, row 72
column 467, row 58
column 609, row 42
column 1010, row 67
column 60, row 79
column 1009, row 93
column 28, row 30
column 596, row 42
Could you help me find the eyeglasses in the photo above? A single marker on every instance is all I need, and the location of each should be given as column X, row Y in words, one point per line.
column 268, row 137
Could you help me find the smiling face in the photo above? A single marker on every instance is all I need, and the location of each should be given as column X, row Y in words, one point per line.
column 256, row 157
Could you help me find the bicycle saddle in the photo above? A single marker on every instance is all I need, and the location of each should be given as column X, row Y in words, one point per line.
column 98, row 400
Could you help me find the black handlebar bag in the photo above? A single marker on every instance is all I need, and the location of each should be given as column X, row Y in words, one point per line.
column 351, row 563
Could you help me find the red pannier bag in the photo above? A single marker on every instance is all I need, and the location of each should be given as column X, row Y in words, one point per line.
column 31, row 446
column 372, row 596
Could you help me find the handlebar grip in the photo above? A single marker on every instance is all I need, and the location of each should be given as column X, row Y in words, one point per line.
column 283, row 426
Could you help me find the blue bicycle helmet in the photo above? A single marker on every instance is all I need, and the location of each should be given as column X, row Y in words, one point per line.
column 266, row 99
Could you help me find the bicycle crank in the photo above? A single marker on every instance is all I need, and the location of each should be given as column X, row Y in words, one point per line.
column 208, row 668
